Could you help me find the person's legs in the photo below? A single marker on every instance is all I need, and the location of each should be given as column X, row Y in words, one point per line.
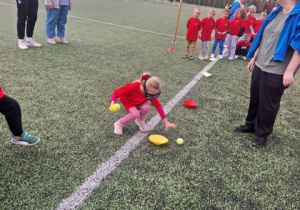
column 233, row 41
column 270, row 93
column 132, row 115
column 228, row 42
column 206, row 44
column 238, row 50
column 10, row 108
column 193, row 46
column 221, row 45
column 22, row 17
column 62, row 20
column 187, row 49
column 214, row 48
column 32, row 17
column 51, row 22
column 140, row 121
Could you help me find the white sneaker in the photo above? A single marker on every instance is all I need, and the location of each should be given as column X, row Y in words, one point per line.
column 200, row 57
column 118, row 128
column 244, row 58
column 32, row 43
column 236, row 56
column 220, row 56
column 212, row 55
column 22, row 45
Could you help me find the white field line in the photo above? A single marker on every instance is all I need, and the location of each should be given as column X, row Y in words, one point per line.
column 93, row 181
column 111, row 24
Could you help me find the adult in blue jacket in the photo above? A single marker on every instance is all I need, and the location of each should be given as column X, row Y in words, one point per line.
column 237, row 4
column 275, row 54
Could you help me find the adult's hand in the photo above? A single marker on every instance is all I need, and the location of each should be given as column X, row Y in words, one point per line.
column 288, row 78
column 250, row 65
column 50, row 7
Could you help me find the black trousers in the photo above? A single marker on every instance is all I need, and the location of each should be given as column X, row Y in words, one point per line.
column 27, row 11
column 10, row 108
column 240, row 51
column 265, row 95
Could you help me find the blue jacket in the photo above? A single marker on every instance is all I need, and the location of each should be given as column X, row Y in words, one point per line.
column 289, row 36
column 235, row 6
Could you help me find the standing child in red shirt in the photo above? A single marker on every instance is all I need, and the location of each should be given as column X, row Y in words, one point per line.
column 134, row 97
column 257, row 24
column 208, row 25
column 193, row 27
column 236, row 30
column 250, row 19
column 242, row 47
column 222, row 25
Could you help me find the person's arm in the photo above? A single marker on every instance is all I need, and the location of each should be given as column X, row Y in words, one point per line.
column 288, row 76
column 252, row 61
column 164, row 118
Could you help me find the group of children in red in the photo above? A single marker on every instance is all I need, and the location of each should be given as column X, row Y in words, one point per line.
column 236, row 34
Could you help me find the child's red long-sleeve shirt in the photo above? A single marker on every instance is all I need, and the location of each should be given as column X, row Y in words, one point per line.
column 235, row 25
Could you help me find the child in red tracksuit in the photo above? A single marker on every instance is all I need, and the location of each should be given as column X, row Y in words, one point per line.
column 257, row 24
column 134, row 97
column 208, row 25
column 242, row 47
column 193, row 27
column 10, row 108
column 236, row 30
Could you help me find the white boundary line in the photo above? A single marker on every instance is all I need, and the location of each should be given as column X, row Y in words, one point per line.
column 93, row 181
column 111, row 24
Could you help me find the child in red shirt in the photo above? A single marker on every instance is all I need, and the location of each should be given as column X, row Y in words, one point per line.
column 208, row 25
column 242, row 47
column 236, row 30
column 10, row 108
column 257, row 24
column 222, row 25
column 193, row 27
column 134, row 97
column 250, row 19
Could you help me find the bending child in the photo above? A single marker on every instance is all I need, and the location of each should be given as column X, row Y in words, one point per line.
column 134, row 97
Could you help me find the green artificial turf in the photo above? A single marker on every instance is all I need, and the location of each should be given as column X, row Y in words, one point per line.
column 64, row 93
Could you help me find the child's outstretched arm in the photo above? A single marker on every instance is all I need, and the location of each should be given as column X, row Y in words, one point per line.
column 164, row 118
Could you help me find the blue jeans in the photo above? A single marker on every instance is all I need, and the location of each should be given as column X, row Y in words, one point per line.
column 221, row 45
column 56, row 18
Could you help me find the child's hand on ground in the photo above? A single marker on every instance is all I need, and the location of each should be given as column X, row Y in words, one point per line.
column 169, row 125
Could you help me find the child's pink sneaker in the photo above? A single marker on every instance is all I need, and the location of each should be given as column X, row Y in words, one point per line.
column 142, row 125
column 118, row 128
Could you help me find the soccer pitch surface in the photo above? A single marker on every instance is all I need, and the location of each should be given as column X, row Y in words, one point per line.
column 64, row 93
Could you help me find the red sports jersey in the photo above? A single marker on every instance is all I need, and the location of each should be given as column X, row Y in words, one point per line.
column 208, row 25
column 131, row 95
column 256, row 26
column 1, row 93
column 235, row 26
column 243, row 44
column 222, row 25
column 193, row 27
column 249, row 22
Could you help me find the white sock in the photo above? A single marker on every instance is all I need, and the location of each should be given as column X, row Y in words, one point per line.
column 21, row 40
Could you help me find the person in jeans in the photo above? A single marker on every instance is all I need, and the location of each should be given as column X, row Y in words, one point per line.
column 57, row 13
column 27, row 16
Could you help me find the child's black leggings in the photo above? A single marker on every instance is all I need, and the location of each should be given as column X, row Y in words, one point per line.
column 10, row 108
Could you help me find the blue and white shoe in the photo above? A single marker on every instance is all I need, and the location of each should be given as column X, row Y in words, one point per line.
column 25, row 139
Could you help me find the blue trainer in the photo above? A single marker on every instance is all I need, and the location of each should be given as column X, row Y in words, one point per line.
column 25, row 139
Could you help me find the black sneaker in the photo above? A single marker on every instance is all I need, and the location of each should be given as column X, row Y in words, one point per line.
column 245, row 129
column 259, row 141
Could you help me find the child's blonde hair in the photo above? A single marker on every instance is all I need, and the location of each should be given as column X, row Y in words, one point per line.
column 225, row 10
column 243, row 13
column 263, row 13
column 252, row 8
column 153, row 82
